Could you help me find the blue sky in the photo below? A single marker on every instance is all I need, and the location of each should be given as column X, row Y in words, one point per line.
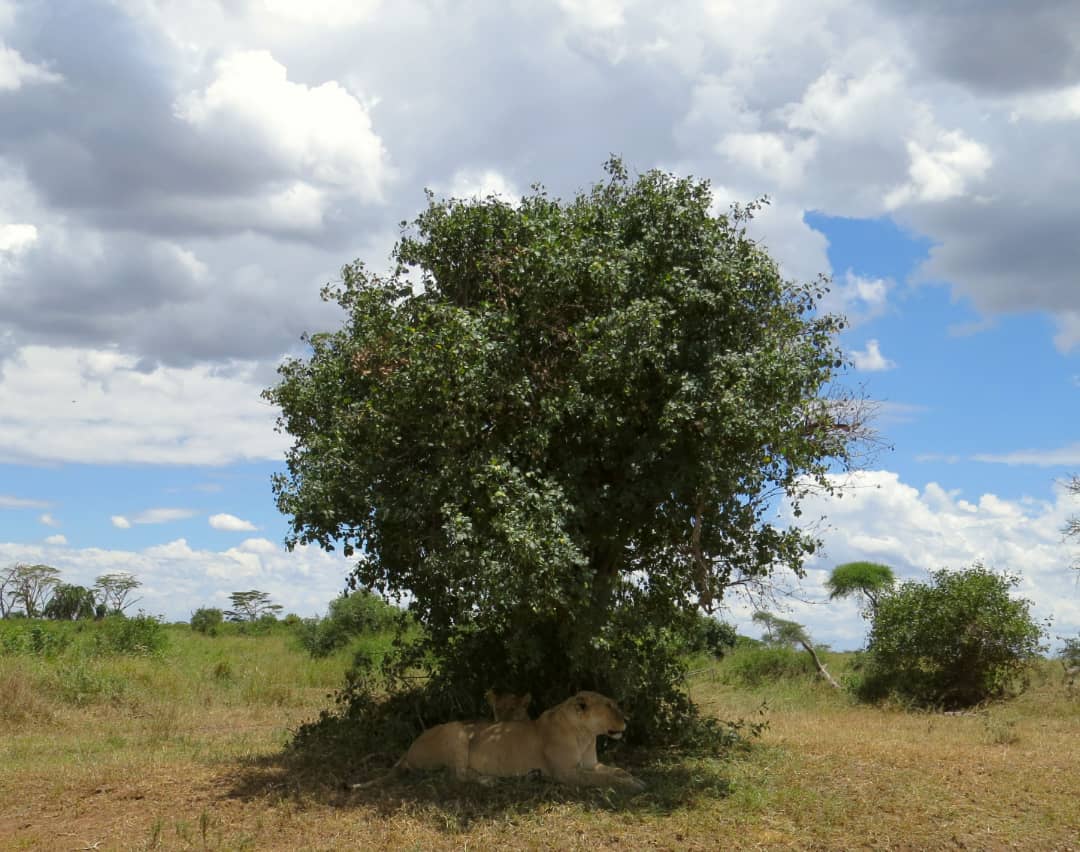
column 177, row 180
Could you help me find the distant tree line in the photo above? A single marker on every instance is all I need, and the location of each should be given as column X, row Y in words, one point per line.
column 36, row 591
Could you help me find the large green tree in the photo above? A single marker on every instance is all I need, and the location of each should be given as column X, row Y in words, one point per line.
column 561, row 427
column 70, row 602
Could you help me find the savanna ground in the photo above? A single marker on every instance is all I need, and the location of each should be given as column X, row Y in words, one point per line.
column 186, row 750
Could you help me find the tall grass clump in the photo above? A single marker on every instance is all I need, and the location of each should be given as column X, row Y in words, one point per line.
column 756, row 666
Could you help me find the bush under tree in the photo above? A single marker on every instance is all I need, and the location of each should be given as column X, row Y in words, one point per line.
column 559, row 428
column 954, row 642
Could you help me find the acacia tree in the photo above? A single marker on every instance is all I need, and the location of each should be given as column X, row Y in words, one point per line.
column 7, row 577
column 251, row 606
column 560, row 427
column 865, row 580
column 113, row 590
column 780, row 631
column 30, row 586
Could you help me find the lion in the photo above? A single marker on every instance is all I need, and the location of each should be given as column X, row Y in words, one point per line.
column 561, row 744
column 436, row 746
column 506, row 706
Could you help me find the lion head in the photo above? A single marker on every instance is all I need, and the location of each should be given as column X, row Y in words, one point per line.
column 600, row 714
column 508, row 707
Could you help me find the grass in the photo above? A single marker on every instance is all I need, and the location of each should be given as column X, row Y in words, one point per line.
column 185, row 750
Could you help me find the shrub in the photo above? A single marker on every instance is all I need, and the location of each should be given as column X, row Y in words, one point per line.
column 206, row 620
column 142, row 634
column 1070, row 651
column 955, row 642
column 350, row 615
column 713, row 636
column 34, row 637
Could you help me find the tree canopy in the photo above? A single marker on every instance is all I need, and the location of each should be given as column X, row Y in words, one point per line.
column 28, row 586
column 867, row 580
column 114, row 589
column 251, row 606
column 552, row 414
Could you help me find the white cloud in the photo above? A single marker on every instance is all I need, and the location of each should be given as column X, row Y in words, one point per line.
column 8, row 501
column 870, row 359
column 48, row 520
column 480, row 183
column 151, row 516
column 15, row 238
column 1068, row 333
column 322, row 134
column 1067, row 456
column 595, row 14
column 858, row 298
column 56, row 539
column 231, row 523
column 847, row 107
column 162, row 516
column 259, row 545
column 941, row 172
column 1059, row 105
column 94, row 406
column 324, row 14
column 783, row 159
column 15, row 71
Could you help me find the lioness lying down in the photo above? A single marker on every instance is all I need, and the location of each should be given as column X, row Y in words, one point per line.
column 561, row 744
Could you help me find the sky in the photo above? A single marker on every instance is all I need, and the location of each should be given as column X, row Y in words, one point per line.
column 178, row 179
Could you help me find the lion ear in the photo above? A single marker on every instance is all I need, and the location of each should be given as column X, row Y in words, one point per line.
column 582, row 705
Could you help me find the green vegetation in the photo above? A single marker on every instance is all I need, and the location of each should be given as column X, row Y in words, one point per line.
column 954, row 642
column 207, row 620
column 349, row 616
column 568, row 439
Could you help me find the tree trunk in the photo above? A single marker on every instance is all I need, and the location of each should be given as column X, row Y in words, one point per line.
column 829, row 679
